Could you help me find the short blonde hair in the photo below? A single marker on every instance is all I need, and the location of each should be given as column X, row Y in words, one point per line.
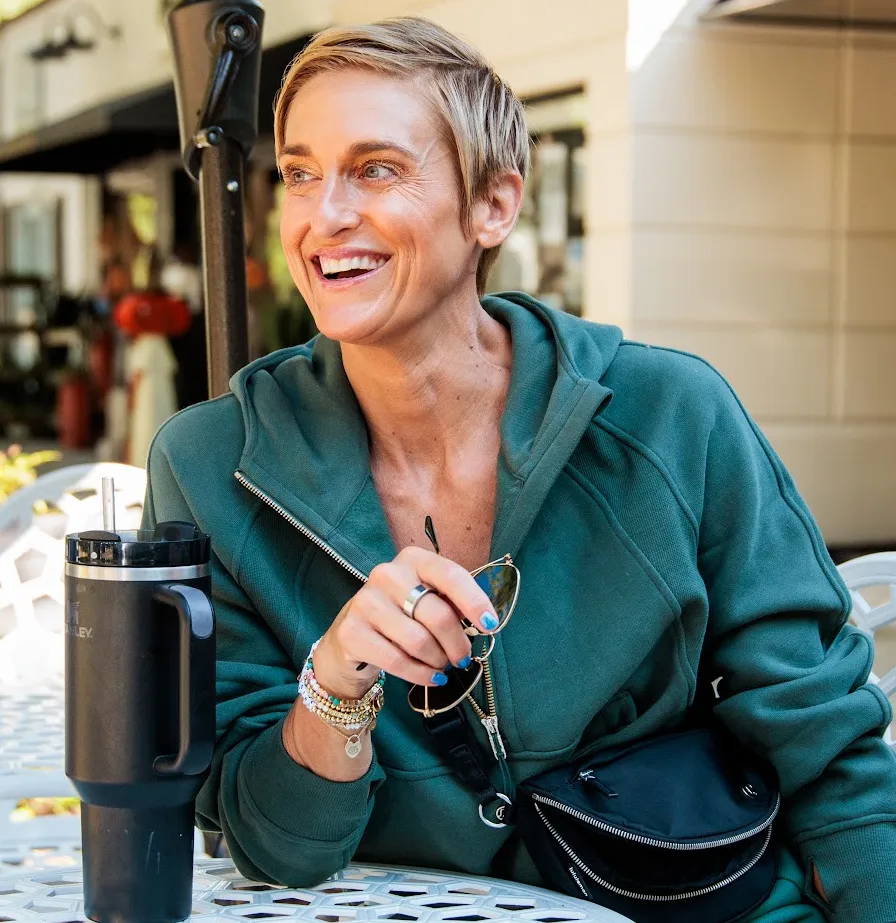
column 482, row 118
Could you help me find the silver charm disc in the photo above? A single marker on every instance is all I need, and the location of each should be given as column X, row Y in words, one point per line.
column 353, row 746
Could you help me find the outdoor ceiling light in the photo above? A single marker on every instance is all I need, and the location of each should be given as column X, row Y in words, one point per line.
column 65, row 35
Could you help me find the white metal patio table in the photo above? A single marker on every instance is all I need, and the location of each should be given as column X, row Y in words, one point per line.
column 359, row 894
column 32, row 765
column 32, row 744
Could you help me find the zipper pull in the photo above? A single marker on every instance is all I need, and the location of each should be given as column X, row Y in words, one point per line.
column 587, row 775
column 490, row 724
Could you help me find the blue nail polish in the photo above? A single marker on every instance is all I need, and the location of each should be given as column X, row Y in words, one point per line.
column 439, row 679
column 447, row 667
column 463, row 664
column 489, row 622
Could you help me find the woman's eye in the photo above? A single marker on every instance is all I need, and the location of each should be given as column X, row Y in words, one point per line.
column 295, row 176
column 376, row 171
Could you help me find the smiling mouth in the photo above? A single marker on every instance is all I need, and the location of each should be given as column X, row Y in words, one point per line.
column 350, row 268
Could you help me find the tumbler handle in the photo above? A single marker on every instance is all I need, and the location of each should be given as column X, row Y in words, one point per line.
column 196, row 701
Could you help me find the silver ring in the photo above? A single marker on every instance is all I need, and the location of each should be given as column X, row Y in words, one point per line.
column 413, row 598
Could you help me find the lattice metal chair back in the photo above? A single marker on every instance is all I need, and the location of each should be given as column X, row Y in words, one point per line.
column 871, row 580
column 33, row 522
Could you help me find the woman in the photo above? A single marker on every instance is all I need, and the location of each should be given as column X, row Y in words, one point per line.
column 653, row 526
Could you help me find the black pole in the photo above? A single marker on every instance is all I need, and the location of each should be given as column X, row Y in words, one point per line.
column 224, row 261
column 216, row 46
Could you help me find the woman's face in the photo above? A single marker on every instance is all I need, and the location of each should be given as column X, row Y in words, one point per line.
column 371, row 223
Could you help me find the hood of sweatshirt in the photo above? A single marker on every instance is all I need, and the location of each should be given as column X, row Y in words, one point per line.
column 307, row 451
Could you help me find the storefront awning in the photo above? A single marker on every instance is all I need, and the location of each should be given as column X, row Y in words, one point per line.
column 98, row 139
column 852, row 14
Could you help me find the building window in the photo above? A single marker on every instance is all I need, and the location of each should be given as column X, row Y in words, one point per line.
column 543, row 255
column 31, row 260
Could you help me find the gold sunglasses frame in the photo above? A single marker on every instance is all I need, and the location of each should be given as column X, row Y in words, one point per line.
column 506, row 561
column 472, row 631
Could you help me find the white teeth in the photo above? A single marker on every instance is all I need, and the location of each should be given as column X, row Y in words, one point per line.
column 329, row 266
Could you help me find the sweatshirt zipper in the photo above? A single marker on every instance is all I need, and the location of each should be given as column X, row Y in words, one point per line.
column 636, row 895
column 647, row 841
column 489, row 720
column 298, row 525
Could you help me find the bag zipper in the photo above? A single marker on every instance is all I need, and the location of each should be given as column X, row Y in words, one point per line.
column 635, row 895
column 648, row 841
column 298, row 525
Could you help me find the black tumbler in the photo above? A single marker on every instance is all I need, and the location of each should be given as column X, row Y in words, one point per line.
column 139, row 713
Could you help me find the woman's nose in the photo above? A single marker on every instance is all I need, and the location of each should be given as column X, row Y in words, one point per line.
column 334, row 210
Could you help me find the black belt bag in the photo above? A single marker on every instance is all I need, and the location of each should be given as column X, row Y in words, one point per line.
column 675, row 828
column 671, row 828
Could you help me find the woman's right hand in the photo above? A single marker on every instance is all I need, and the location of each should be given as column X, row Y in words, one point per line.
column 372, row 628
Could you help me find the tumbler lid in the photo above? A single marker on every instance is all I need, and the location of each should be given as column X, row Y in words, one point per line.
column 170, row 544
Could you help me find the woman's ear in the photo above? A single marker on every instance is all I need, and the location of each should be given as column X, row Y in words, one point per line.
column 495, row 214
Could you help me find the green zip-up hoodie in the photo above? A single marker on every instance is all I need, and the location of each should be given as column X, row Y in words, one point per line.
column 652, row 525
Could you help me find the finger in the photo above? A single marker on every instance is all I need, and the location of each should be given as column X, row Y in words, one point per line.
column 441, row 619
column 387, row 655
column 458, row 587
column 411, row 636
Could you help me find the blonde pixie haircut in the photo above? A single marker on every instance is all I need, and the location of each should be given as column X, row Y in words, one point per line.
column 482, row 118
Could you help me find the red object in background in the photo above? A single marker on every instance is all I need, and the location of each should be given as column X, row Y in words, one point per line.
column 99, row 362
column 256, row 274
column 152, row 312
column 73, row 412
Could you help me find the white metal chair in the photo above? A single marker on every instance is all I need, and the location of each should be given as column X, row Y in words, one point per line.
column 32, row 558
column 871, row 581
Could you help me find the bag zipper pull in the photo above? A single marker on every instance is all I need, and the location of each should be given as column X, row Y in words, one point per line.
column 587, row 775
column 490, row 723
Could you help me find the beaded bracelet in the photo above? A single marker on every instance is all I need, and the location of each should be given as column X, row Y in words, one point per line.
column 352, row 715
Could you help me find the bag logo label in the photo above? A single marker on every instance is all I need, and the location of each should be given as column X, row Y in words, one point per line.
column 584, row 891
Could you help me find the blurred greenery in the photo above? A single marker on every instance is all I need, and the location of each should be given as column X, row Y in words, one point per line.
column 9, row 9
column 17, row 468
column 143, row 213
column 41, row 807
column 285, row 317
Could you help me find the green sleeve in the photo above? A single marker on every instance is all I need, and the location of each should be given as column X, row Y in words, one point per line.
column 795, row 674
column 282, row 823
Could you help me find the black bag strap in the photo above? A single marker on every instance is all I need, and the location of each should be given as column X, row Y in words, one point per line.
column 457, row 746
column 450, row 731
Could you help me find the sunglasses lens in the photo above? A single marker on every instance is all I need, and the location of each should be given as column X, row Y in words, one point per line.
column 499, row 582
column 441, row 698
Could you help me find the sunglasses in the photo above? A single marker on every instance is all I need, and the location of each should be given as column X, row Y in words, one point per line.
column 500, row 581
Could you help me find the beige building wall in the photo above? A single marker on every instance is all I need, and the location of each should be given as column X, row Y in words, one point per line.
column 764, row 239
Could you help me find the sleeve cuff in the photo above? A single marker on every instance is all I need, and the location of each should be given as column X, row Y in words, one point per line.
column 855, row 866
column 301, row 803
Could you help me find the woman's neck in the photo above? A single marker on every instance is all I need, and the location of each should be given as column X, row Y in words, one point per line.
column 429, row 399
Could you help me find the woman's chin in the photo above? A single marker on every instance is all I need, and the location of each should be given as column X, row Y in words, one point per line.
column 355, row 323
